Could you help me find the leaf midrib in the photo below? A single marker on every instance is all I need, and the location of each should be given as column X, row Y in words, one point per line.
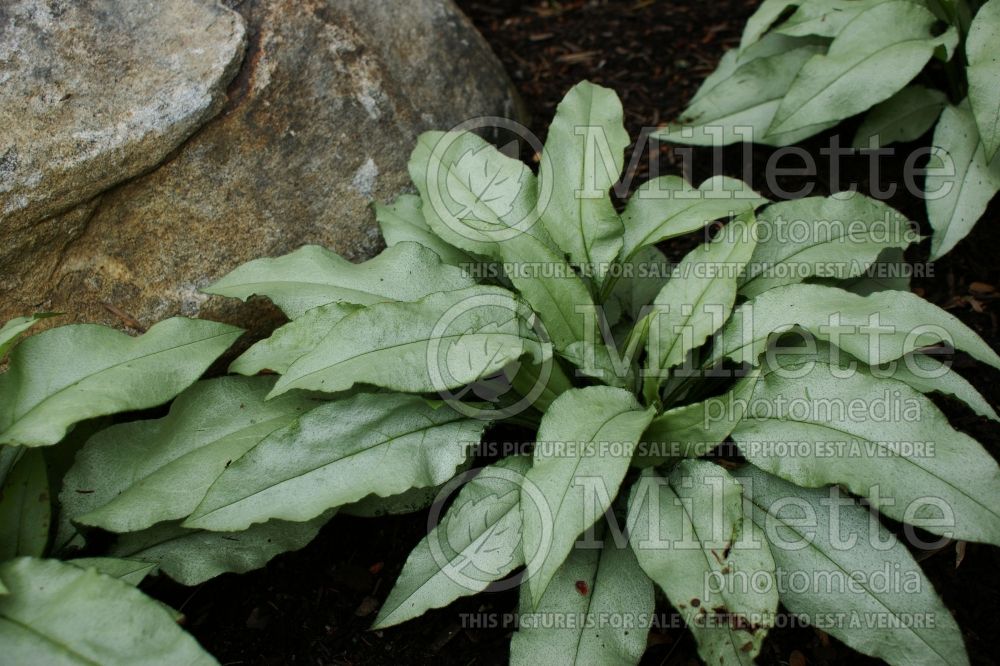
column 881, row 445
column 708, row 564
column 851, row 67
column 398, row 345
column 644, row 241
column 710, row 284
column 50, row 640
column 110, row 368
column 823, row 553
column 440, row 571
column 385, row 442
column 284, row 420
column 256, row 288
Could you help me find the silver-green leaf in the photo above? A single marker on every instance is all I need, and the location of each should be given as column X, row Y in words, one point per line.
column 689, row 536
column 872, row 58
column 134, row 475
column 313, row 276
column 765, row 16
column 442, row 342
column 920, row 371
column 826, row 539
column 983, row 72
column 889, row 272
column 669, row 206
column 25, row 508
column 478, row 199
column 880, row 439
column 616, row 596
column 698, row 300
column 56, row 613
column 905, row 116
column 475, row 197
column 741, row 107
column 65, row 375
column 292, row 341
column 691, row 431
column 402, row 221
column 825, row 18
column 193, row 556
column 336, row 454
column 960, row 184
column 583, row 157
column 10, row 331
column 836, row 237
column 585, row 443
column 477, row 542
column 132, row 572
column 877, row 328
column 643, row 276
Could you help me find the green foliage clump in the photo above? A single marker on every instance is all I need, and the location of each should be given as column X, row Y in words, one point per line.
column 529, row 305
column 803, row 66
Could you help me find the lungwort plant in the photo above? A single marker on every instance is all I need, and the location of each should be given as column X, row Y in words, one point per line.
column 529, row 305
column 803, row 66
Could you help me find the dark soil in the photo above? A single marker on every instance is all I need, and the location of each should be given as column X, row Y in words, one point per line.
column 315, row 606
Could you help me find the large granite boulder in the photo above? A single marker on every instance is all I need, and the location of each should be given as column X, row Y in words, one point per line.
column 93, row 93
column 317, row 122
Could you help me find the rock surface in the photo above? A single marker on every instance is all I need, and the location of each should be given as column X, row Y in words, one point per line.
column 95, row 92
column 319, row 121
